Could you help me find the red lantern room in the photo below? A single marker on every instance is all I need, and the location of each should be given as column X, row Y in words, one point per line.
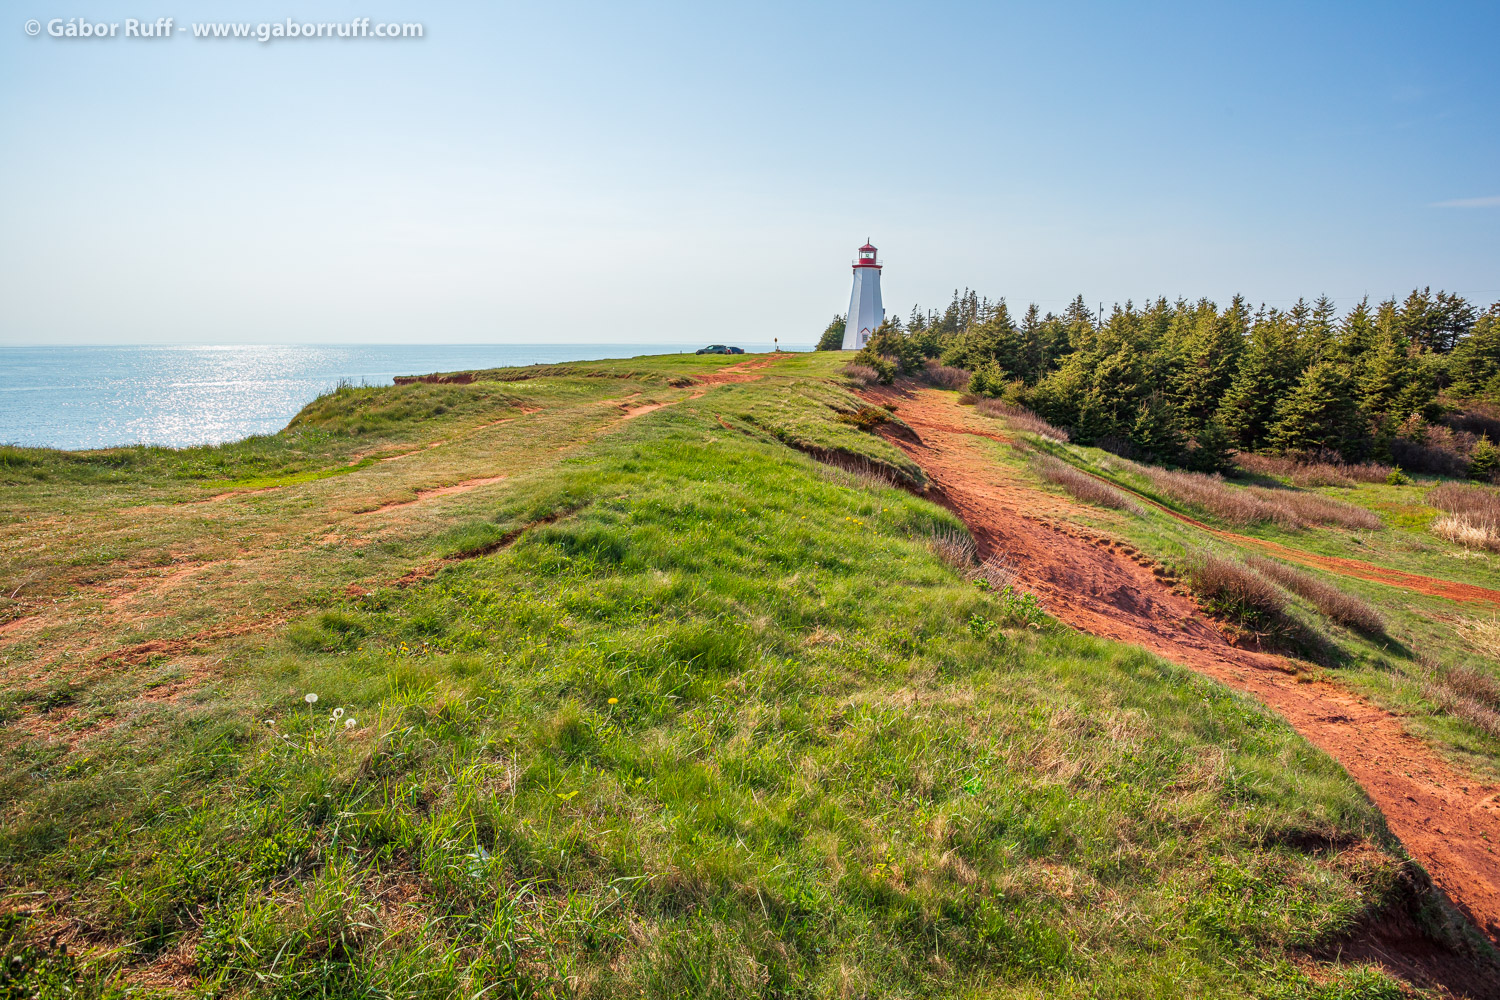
column 867, row 257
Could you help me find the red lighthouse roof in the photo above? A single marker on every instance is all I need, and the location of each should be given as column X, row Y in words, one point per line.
column 866, row 257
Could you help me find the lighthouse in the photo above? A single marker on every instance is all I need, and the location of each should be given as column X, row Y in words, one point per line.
column 865, row 311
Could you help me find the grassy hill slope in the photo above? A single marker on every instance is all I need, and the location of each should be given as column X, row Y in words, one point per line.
column 664, row 707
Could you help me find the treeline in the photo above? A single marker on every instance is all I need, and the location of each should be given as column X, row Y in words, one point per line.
column 1186, row 383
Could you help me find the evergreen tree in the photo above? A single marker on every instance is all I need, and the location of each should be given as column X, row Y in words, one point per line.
column 1156, row 433
column 1210, row 450
column 1484, row 460
column 1268, row 369
column 1435, row 322
column 889, row 341
column 1320, row 413
column 1392, row 383
column 1209, row 359
column 1474, row 366
column 833, row 335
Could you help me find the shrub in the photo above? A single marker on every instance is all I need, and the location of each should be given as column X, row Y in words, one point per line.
column 1235, row 589
column 883, row 367
column 1210, row 495
column 945, row 376
column 1436, row 451
column 1332, row 602
column 1021, row 419
column 1082, row 485
column 1484, row 460
column 1398, row 478
column 988, row 380
column 867, row 418
column 1465, row 693
column 861, row 375
column 996, row 573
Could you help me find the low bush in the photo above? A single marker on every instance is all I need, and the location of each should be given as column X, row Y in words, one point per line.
column 1466, row 693
column 1235, row 590
column 996, row 573
column 954, row 546
column 861, row 375
column 1209, row 493
column 866, row 418
column 945, row 376
column 1082, row 485
column 1332, row 602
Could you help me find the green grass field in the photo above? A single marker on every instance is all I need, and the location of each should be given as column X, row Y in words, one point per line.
column 672, row 709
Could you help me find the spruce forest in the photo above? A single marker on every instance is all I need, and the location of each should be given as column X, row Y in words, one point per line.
column 1414, row 383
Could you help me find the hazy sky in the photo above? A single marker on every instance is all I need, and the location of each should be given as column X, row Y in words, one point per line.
column 704, row 172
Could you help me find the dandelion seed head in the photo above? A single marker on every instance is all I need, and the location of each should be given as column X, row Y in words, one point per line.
column 338, row 713
column 310, row 697
column 350, row 723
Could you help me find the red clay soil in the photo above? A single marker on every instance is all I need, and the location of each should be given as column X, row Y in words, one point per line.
column 1446, row 819
column 745, row 371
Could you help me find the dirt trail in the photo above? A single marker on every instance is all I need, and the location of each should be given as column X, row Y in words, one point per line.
column 745, row 371
column 1447, row 820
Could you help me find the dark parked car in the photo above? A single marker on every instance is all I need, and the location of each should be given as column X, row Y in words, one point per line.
column 719, row 349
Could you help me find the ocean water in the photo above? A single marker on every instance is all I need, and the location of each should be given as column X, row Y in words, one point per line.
column 96, row 397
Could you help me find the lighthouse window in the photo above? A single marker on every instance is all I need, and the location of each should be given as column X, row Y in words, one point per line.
column 867, row 255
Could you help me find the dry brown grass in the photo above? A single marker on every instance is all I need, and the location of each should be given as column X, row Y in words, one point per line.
column 1257, row 505
column 1311, row 508
column 1226, row 581
column 997, row 571
column 945, row 376
column 1460, row 498
column 1473, row 518
column 1082, row 485
column 862, row 375
column 1483, row 634
column 955, row 547
column 1211, row 495
column 1304, row 470
column 1335, row 604
column 1021, row 419
column 1467, row 693
column 1468, row 530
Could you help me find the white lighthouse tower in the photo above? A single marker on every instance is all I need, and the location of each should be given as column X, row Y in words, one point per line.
column 865, row 311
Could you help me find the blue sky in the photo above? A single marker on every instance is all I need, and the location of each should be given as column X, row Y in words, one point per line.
column 704, row 172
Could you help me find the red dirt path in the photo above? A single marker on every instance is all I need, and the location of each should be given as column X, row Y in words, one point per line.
column 1446, row 819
